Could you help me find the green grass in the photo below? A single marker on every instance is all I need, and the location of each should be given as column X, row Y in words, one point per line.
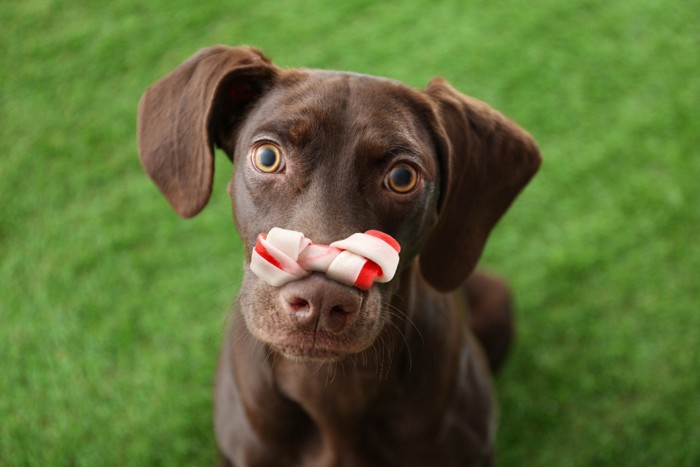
column 112, row 309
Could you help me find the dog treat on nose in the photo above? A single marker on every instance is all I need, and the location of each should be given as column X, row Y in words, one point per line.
column 282, row 256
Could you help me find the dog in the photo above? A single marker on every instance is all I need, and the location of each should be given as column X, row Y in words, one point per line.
column 316, row 371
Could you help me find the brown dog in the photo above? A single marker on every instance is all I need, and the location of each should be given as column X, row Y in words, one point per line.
column 319, row 373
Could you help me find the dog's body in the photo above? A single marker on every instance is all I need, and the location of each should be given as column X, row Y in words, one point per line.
column 315, row 372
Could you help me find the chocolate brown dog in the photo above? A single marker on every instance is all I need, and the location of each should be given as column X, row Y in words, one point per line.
column 319, row 373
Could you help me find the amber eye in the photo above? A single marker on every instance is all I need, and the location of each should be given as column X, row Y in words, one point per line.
column 402, row 178
column 267, row 158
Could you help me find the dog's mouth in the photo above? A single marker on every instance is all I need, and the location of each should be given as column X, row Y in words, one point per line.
column 303, row 353
column 318, row 346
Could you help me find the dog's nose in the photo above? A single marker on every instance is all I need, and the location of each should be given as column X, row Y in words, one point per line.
column 316, row 301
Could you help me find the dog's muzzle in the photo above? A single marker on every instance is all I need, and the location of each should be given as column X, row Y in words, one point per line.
column 282, row 256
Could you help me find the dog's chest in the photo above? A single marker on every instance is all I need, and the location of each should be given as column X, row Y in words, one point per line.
column 382, row 444
column 387, row 430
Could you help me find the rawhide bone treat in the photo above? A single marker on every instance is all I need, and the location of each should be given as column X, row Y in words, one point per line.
column 282, row 256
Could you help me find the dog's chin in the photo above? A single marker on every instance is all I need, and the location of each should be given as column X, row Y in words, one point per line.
column 323, row 348
column 303, row 354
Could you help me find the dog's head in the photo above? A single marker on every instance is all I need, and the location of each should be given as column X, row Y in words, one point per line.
column 330, row 154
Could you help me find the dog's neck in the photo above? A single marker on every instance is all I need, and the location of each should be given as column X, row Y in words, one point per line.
column 334, row 395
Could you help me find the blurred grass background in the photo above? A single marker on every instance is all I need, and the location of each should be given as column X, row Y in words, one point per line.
column 112, row 308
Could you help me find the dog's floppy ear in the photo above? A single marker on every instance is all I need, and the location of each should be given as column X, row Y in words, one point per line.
column 485, row 161
column 183, row 115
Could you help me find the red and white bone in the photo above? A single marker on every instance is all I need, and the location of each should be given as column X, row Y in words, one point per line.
column 282, row 256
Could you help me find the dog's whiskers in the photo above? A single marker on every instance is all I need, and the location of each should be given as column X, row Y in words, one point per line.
column 396, row 313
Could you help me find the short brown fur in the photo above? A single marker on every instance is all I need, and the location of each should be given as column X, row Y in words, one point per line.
column 400, row 377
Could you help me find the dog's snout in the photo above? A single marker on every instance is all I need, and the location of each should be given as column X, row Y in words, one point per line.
column 319, row 302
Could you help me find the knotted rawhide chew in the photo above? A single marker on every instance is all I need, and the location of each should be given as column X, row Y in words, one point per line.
column 282, row 256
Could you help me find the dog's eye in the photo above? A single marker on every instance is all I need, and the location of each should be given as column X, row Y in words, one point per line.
column 267, row 158
column 402, row 178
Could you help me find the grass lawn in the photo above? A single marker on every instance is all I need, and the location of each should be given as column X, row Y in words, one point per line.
column 112, row 308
